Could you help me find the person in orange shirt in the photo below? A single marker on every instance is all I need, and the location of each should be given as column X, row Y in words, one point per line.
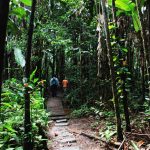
column 65, row 84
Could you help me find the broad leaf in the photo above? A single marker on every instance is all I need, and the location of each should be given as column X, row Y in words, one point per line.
column 19, row 11
column 1, row 145
column 12, row 27
column 33, row 74
column 7, row 105
column 128, row 6
column 35, row 80
column 136, row 21
column 125, row 50
column 15, row 1
column 19, row 57
column 9, row 128
column 125, row 5
column 26, row 2
column 19, row 148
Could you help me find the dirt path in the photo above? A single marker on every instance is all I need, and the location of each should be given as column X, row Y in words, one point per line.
column 65, row 134
column 77, row 126
column 61, row 138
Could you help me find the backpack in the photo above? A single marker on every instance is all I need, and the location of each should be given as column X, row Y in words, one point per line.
column 53, row 82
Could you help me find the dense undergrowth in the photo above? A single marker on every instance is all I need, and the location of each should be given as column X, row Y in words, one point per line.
column 104, row 119
column 12, row 116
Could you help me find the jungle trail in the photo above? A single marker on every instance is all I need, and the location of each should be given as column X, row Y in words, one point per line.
column 74, row 75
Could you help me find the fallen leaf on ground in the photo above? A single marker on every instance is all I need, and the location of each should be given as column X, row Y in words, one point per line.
column 140, row 143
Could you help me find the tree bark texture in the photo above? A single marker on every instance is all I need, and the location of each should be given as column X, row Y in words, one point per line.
column 62, row 64
column 112, row 72
column 6, row 66
column 114, row 12
column 123, row 76
column 54, row 62
column 27, row 121
column 125, row 104
column 4, row 10
column 144, row 51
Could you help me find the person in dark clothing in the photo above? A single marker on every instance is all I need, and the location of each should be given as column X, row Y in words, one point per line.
column 54, row 83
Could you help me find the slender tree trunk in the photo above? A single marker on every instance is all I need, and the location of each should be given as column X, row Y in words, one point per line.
column 6, row 66
column 142, row 74
column 75, row 45
column 114, row 12
column 91, row 9
column 27, row 121
column 148, row 3
column 145, row 54
column 149, row 30
column 123, row 76
column 54, row 61
column 57, row 63
column 44, row 66
column 62, row 64
column 125, row 104
column 4, row 10
column 112, row 72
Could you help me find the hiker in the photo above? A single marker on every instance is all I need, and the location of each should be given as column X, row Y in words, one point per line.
column 65, row 85
column 54, row 83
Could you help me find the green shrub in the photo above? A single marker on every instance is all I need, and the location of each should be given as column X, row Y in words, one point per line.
column 12, row 116
column 84, row 110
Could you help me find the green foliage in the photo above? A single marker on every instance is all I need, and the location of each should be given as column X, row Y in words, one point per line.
column 108, row 134
column 98, row 110
column 147, row 111
column 12, row 129
column 19, row 11
column 129, row 8
column 136, row 21
column 26, row 2
column 84, row 110
column 67, row 27
column 33, row 74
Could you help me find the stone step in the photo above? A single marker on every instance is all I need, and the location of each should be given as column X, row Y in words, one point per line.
column 56, row 114
column 58, row 117
column 67, row 134
column 70, row 148
column 68, row 140
column 61, row 120
column 62, row 124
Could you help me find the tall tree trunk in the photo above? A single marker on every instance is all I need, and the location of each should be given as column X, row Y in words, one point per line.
column 4, row 10
column 144, row 50
column 62, row 64
column 123, row 76
column 27, row 121
column 91, row 9
column 75, row 45
column 114, row 12
column 54, row 61
column 112, row 72
column 125, row 104
column 148, row 7
column 6, row 66
column 149, row 30
column 57, row 62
